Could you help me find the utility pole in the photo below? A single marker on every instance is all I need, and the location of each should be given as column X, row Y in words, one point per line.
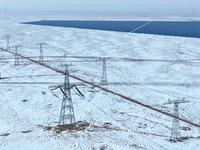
column 8, row 41
column 67, row 115
column 104, row 74
column 17, row 55
column 175, row 132
column 41, row 51
column 193, row 12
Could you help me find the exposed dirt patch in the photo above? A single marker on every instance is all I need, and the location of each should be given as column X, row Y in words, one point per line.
column 25, row 100
column 27, row 131
column 142, row 125
column 79, row 126
column 185, row 128
column 6, row 134
column 137, row 146
column 103, row 147
column 182, row 139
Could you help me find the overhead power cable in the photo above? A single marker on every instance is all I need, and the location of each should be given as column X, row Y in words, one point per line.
column 106, row 90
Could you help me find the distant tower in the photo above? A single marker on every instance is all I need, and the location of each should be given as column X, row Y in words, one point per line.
column 193, row 11
column 16, row 55
column 104, row 74
column 41, row 51
column 175, row 132
column 67, row 111
column 8, row 41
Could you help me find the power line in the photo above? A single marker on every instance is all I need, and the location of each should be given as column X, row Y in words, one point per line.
column 98, row 59
column 62, row 50
column 20, row 81
column 107, row 90
column 125, row 125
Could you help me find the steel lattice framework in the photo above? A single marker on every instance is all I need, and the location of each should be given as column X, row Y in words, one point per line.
column 41, row 58
column 8, row 41
column 175, row 132
column 104, row 73
column 67, row 115
column 17, row 54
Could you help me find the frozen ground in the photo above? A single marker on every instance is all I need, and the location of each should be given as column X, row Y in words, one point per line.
column 27, row 108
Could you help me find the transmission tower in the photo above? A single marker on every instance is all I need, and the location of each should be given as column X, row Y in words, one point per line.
column 8, row 41
column 41, row 51
column 104, row 74
column 67, row 111
column 17, row 54
column 175, row 132
column 193, row 11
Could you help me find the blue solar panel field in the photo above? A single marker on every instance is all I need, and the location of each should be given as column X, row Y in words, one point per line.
column 171, row 28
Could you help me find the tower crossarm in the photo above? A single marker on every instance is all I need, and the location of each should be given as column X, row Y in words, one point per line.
column 177, row 101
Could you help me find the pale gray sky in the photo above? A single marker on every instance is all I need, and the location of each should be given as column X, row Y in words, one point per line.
column 104, row 5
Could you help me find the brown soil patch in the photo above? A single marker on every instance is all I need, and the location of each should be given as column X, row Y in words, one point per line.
column 27, row 131
column 79, row 126
column 6, row 134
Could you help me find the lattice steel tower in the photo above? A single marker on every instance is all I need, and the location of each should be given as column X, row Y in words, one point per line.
column 104, row 73
column 16, row 54
column 67, row 111
column 175, row 132
column 41, row 51
column 8, row 41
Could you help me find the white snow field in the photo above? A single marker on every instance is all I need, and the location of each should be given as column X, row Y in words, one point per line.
column 28, row 106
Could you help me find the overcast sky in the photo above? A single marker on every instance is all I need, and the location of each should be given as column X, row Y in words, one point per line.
column 178, row 6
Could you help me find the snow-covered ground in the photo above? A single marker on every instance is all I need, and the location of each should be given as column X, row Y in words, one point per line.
column 27, row 108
